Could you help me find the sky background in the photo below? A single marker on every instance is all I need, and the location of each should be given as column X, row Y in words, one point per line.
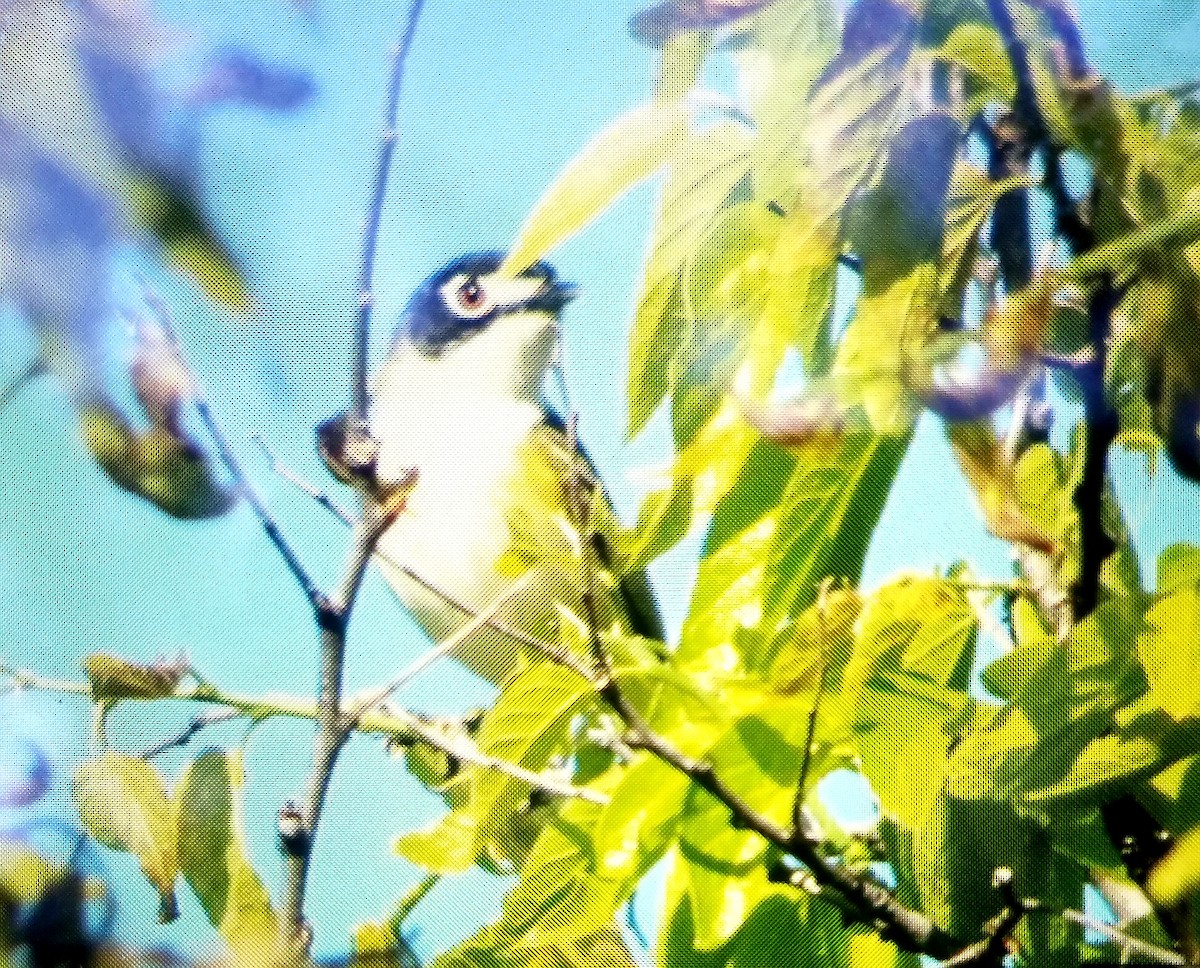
column 498, row 97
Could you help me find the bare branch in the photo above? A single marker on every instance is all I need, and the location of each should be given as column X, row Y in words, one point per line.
column 366, row 281
column 194, row 726
column 461, row 747
column 1129, row 945
column 333, row 617
column 228, row 457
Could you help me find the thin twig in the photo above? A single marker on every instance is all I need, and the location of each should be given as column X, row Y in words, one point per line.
column 460, row 747
column 366, row 281
column 265, row 519
column 1129, row 945
column 401, row 727
column 426, row 659
column 194, row 726
column 31, row 371
column 554, row 653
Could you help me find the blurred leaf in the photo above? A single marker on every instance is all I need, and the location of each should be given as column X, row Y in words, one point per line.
column 897, row 224
column 1176, row 877
column 859, row 101
column 124, row 805
column 169, row 472
column 699, row 182
column 113, row 678
column 786, row 47
column 169, row 212
column 663, row 22
column 25, row 875
column 978, row 48
column 970, row 200
column 614, row 161
column 213, row 860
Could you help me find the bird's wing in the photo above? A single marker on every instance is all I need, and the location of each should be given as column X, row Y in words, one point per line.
column 551, row 443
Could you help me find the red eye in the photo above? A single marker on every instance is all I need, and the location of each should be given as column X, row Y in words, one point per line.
column 470, row 294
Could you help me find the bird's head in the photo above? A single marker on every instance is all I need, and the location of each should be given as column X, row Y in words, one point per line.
column 469, row 335
column 495, row 328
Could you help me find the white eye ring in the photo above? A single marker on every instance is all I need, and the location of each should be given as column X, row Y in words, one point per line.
column 468, row 297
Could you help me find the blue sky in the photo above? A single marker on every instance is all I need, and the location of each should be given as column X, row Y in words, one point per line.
column 498, row 97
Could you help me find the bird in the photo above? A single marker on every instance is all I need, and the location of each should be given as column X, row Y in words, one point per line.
column 461, row 401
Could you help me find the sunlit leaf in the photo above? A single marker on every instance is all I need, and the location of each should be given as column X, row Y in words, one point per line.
column 618, row 158
column 124, row 804
column 1177, row 876
column 212, row 856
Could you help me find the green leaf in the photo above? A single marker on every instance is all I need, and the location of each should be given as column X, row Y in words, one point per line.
column 699, row 183
column 663, row 519
column 1168, row 645
column 780, row 930
column 970, row 201
column 1123, row 254
column 906, row 686
column 1178, row 568
column 123, row 804
column 213, row 860
column 205, row 831
column 679, row 68
column 174, row 217
column 450, row 846
column 630, row 834
column 528, row 724
column 827, row 516
column 627, row 152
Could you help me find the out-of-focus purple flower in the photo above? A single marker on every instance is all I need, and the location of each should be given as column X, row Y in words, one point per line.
column 871, row 26
column 94, row 152
column 24, row 773
column 658, row 24
column 236, row 77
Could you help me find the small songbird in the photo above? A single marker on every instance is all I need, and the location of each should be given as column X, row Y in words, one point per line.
column 499, row 486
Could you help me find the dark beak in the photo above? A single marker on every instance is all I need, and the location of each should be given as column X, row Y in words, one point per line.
column 554, row 296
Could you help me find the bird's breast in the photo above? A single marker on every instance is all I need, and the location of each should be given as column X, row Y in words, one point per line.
column 454, row 529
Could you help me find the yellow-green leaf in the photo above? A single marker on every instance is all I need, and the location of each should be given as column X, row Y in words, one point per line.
column 123, row 803
column 1177, row 876
column 213, row 858
column 114, row 678
column 618, row 158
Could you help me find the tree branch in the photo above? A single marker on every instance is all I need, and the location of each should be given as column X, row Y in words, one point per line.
column 1130, row 946
column 225, row 450
column 333, row 618
column 366, row 280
